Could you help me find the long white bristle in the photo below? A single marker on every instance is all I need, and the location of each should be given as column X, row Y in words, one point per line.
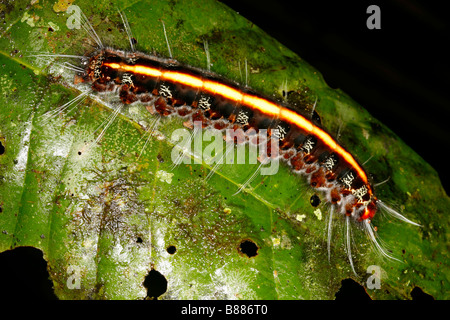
column 394, row 213
column 371, row 233
column 348, row 243
column 330, row 221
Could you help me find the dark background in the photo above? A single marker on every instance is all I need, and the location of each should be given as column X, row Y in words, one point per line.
column 400, row 73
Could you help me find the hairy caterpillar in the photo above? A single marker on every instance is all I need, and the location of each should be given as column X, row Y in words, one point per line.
column 169, row 88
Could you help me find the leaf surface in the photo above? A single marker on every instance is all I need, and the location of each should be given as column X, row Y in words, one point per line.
column 105, row 214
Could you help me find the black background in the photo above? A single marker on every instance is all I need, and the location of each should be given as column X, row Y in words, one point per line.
column 399, row 73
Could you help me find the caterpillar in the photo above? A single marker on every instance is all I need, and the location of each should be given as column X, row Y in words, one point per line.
column 169, row 88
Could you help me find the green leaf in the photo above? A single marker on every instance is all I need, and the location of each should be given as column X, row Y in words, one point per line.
column 104, row 215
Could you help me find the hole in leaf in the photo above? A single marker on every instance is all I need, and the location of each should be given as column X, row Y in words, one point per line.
column 139, row 240
column 23, row 270
column 156, row 284
column 314, row 200
column 418, row 294
column 2, row 148
column 351, row 290
column 171, row 249
column 249, row 248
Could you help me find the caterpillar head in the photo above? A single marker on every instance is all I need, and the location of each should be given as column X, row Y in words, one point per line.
column 92, row 68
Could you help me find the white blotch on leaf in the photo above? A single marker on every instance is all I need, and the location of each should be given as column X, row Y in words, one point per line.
column 318, row 214
column 164, row 176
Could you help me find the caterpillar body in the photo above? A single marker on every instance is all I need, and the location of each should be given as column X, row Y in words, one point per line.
column 170, row 88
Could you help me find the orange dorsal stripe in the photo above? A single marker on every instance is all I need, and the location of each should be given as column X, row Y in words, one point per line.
column 267, row 107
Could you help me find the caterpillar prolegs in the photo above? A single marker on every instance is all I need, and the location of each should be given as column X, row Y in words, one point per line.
column 201, row 97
